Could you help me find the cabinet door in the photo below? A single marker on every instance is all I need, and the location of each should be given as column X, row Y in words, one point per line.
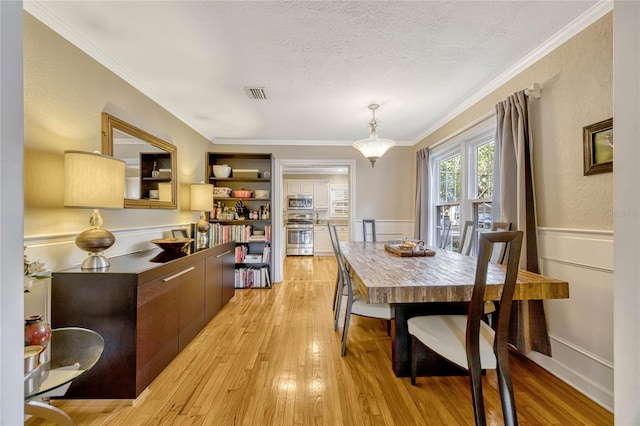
column 157, row 329
column 228, row 276
column 191, row 312
column 213, row 287
column 321, row 195
column 321, row 241
column 306, row 188
column 343, row 233
column 293, row 188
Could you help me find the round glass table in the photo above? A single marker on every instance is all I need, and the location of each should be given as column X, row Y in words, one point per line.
column 71, row 352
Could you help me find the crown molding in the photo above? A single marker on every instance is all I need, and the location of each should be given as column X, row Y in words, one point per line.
column 44, row 15
column 591, row 15
column 293, row 142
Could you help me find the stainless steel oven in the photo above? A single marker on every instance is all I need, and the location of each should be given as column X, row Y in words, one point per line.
column 300, row 202
column 299, row 229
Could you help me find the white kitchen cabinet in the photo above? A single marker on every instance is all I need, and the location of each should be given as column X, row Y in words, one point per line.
column 299, row 187
column 321, row 195
column 322, row 240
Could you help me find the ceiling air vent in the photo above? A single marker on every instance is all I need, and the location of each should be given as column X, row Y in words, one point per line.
column 256, row 92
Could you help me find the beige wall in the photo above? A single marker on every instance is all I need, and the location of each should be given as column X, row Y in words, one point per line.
column 577, row 91
column 65, row 92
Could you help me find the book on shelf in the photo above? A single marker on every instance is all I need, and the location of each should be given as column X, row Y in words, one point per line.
column 248, row 277
column 253, row 258
column 266, row 254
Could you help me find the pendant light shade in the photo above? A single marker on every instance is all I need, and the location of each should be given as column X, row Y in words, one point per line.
column 373, row 147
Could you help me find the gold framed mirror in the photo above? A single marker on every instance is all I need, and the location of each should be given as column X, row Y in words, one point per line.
column 150, row 171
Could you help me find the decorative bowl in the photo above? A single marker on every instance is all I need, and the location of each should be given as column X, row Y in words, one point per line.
column 262, row 193
column 242, row 193
column 220, row 191
column 175, row 245
column 221, row 171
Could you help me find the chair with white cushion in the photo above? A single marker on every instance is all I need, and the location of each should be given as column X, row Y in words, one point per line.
column 466, row 340
column 356, row 305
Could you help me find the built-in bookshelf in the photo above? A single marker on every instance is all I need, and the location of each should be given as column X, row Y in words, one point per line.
column 246, row 219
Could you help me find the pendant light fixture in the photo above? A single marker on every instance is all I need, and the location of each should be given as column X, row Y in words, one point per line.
column 373, row 147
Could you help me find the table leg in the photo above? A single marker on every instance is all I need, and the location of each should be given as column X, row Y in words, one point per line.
column 429, row 364
column 49, row 412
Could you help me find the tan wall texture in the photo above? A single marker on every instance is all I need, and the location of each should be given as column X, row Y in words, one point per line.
column 577, row 91
column 66, row 91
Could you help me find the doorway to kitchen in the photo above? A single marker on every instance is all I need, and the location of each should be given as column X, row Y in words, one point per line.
column 283, row 167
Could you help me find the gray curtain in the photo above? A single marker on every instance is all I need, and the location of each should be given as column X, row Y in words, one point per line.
column 421, row 222
column 517, row 206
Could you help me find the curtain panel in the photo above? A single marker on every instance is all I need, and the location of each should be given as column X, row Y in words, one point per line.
column 517, row 206
column 421, row 222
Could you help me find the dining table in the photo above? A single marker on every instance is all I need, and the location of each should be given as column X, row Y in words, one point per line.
column 441, row 283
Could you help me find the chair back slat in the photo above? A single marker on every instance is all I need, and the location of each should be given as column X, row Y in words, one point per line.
column 499, row 249
column 372, row 222
column 444, row 234
column 466, row 238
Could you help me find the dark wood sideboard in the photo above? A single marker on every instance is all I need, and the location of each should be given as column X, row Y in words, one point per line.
column 147, row 306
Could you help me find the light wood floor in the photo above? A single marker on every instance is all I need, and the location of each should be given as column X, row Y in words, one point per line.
column 271, row 357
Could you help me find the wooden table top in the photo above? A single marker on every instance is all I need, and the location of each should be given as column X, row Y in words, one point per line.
column 383, row 277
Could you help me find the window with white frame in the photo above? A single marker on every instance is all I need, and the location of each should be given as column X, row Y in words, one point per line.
column 462, row 186
column 339, row 194
column 449, row 172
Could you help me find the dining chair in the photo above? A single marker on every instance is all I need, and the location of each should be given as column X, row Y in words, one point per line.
column 466, row 340
column 372, row 222
column 356, row 305
column 466, row 239
column 444, row 234
column 339, row 290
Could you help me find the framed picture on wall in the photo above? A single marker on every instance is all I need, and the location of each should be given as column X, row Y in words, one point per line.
column 598, row 147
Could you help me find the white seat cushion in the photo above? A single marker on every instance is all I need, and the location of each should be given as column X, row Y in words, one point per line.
column 373, row 310
column 445, row 334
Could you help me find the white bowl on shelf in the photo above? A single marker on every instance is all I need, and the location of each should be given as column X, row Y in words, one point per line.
column 221, row 170
column 261, row 193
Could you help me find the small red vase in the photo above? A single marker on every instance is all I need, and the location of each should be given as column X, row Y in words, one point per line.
column 36, row 331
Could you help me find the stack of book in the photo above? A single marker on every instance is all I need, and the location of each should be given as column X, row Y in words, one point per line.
column 252, row 278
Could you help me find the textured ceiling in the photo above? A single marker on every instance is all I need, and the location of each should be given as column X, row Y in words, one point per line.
column 322, row 62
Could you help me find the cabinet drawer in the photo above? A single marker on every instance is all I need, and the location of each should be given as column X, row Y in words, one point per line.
column 191, row 314
column 157, row 329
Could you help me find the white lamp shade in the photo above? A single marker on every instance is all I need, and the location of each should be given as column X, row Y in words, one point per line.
column 93, row 180
column 373, row 147
column 201, row 196
column 164, row 189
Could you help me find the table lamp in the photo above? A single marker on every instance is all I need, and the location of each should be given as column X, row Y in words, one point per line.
column 94, row 181
column 202, row 199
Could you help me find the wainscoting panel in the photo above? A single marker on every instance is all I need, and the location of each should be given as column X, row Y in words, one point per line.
column 581, row 327
column 386, row 230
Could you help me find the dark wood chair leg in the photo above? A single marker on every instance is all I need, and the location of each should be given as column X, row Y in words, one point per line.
column 414, row 359
column 506, row 388
column 475, row 381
